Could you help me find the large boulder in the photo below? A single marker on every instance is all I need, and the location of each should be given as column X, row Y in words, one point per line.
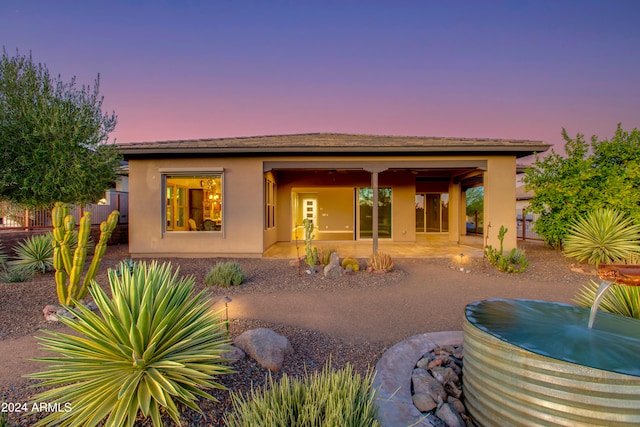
column 265, row 346
column 333, row 270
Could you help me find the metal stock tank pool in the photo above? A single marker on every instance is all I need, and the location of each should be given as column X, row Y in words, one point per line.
column 532, row 362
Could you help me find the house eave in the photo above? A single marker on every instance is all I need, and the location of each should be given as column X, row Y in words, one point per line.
column 331, row 144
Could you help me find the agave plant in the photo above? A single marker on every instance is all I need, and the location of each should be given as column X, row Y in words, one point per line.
column 622, row 300
column 153, row 345
column 603, row 236
column 34, row 254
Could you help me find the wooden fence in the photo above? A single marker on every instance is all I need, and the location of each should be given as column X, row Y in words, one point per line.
column 33, row 220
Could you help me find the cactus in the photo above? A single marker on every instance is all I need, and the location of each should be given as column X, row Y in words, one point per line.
column 69, row 269
column 312, row 253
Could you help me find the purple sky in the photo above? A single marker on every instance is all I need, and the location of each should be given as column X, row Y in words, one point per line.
column 198, row 69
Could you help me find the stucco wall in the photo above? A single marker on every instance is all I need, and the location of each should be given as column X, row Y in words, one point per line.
column 243, row 202
column 243, row 208
column 500, row 201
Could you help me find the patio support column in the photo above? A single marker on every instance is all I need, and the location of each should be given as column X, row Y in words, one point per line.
column 374, row 209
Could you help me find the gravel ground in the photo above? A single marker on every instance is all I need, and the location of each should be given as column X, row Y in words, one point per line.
column 21, row 314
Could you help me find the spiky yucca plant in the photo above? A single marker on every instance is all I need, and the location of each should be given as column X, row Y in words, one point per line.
column 34, row 255
column 620, row 299
column 330, row 398
column 153, row 344
column 603, row 236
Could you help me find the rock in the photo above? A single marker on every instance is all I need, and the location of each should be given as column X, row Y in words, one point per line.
column 265, row 346
column 233, row 354
column 333, row 270
column 447, row 413
column 50, row 312
column 453, row 389
column 444, row 375
column 424, row 402
column 457, row 404
column 423, row 382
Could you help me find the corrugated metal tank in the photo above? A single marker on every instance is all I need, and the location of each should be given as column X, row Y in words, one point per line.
column 506, row 385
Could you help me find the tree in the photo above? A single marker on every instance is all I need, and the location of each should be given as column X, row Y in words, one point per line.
column 601, row 174
column 475, row 203
column 54, row 137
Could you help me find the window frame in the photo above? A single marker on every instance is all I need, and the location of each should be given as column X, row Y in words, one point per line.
column 197, row 173
column 270, row 206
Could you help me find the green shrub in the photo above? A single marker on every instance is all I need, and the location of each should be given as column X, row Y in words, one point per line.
column 225, row 274
column 351, row 263
column 154, row 344
column 34, row 254
column 3, row 256
column 328, row 399
column 603, row 236
column 15, row 276
column 619, row 299
column 514, row 262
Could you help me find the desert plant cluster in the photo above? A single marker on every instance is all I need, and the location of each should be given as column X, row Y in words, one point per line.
column 514, row 261
column 378, row 262
column 154, row 347
column 605, row 236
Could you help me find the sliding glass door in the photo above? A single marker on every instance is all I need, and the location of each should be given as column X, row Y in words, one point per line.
column 432, row 212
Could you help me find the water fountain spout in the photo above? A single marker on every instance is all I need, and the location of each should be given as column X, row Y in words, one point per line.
column 610, row 274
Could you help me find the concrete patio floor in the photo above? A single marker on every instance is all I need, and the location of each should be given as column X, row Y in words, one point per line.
column 426, row 246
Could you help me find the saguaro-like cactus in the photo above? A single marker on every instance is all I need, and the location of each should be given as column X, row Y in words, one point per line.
column 69, row 269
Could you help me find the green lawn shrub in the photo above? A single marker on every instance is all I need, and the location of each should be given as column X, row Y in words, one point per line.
column 331, row 398
column 225, row 274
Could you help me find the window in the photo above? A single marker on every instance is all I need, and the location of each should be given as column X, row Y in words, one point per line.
column 366, row 212
column 193, row 203
column 269, row 204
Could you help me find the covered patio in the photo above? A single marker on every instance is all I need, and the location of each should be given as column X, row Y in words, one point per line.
column 425, row 246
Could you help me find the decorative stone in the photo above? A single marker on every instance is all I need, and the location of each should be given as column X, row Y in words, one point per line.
column 457, row 404
column 265, row 346
column 447, row 413
column 333, row 270
column 234, row 354
column 444, row 375
column 423, row 382
column 424, row 402
column 50, row 312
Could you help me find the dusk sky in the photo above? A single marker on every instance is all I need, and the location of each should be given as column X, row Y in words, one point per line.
column 477, row 69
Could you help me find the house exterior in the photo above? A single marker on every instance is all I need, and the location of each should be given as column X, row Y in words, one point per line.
column 239, row 196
